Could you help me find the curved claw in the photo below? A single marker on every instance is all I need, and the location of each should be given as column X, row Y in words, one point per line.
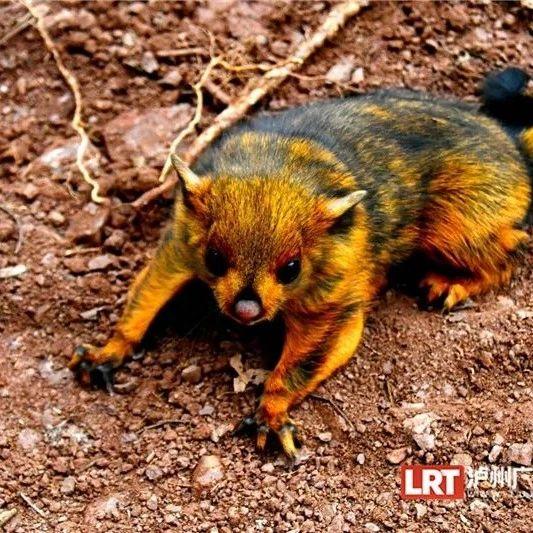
column 262, row 437
column 99, row 375
column 289, row 441
column 138, row 355
column 247, row 426
column 286, row 435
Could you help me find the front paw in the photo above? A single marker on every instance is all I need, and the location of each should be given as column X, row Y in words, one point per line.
column 286, row 434
column 91, row 367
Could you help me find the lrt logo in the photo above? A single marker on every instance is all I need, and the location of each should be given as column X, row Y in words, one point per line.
column 425, row 482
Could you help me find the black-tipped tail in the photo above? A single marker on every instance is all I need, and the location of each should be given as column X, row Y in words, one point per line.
column 505, row 100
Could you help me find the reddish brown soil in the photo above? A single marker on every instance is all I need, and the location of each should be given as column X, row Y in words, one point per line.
column 92, row 462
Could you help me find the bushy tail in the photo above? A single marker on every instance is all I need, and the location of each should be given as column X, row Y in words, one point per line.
column 505, row 99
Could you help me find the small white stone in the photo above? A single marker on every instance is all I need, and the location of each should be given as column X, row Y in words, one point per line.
column 341, row 72
column 358, row 75
column 152, row 503
column 498, row 439
column 421, row 510
column 28, row 439
column 192, row 374
column 268, row 468
column 495, row 452
column 396, row 456
column 461, row 459
column 520, row 454
column 425, row 441
column 325, row 436
column 207, row 472
column 419, row 423
column 68, row 485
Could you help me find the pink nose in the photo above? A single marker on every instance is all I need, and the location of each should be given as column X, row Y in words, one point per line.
column 247, row 310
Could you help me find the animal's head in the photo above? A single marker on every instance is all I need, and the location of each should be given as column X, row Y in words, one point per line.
column 256, row 242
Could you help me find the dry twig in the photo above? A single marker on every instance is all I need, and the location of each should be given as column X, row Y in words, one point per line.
column 272, row 78
column 20, row 25
column 213, row 89
column 336, row 408
column 195, row 50
column 75, row 88
column 32, row 505
column 6, row 516
column 161, row 423
column 79, row 251
column 189, row 129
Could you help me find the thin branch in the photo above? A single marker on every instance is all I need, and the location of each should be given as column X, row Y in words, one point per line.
column 7, row 515
column 32, row 505
column 161, row 423
column 21, row 25
column 336, row 408
column 75, row 88
column 213, row 89
column 196, row 50
column 189, row 129
column 270, row 80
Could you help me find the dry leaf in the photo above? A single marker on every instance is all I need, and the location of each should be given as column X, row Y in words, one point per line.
column 256, row 376
column 14, row 271
column 220, row 431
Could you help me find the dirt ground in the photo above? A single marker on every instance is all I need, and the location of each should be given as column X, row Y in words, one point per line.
column 74, row 459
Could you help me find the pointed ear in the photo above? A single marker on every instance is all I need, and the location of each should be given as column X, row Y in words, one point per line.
column 338, row 206
column 188, row 179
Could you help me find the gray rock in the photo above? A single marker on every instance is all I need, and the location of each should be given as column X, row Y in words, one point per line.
column 51, row 375
column 68, row 485
column 192, row 374
column 56, row 218
column 29, row 191
column 358, row 75
column 207, row 472
column 100, row 262
column 461, row 459
column 268, row 468
column 87, row 224
column 425, row 441
column 521, row 454
column 172, row 79
column 395, row 457
column 151, row 503
column 28, row 439
column 341, row 72
column 421, row 510
column 419, row 423
column 115, row 241
column 325, row 436
column 134, row 135
column 494, row 453
column 153, row 472
column 149, row 63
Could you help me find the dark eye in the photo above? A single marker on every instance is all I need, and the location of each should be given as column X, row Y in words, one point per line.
column 289, row 271
column 216, row 262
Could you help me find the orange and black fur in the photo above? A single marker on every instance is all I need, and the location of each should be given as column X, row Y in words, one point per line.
column 303, row 213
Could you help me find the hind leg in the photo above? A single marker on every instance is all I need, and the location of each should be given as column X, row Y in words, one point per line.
column 479, row 272
column 450, row 290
